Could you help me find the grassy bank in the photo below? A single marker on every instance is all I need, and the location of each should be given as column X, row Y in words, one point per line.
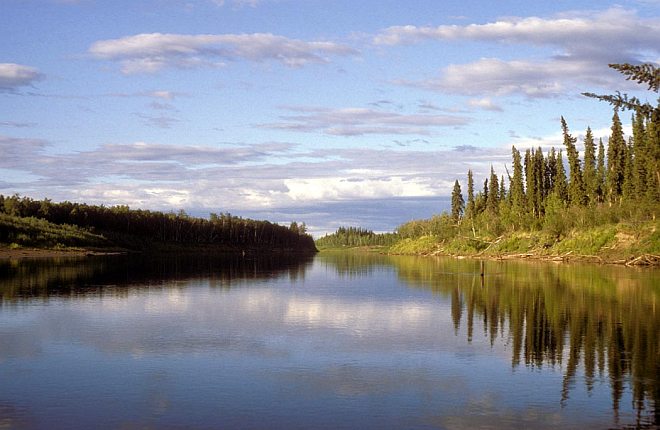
column 615, row 243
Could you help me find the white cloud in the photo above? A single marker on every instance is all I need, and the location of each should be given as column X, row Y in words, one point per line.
column 484, row 103
column 150, row 53
column 361, row 121
column 585, row 44
column 356, row 187
column 14, row 76
column 615, row 29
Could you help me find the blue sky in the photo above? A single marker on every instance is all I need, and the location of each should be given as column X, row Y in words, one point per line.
column 328, row 112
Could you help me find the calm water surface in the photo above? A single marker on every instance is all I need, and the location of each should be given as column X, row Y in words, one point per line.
column 337, row 341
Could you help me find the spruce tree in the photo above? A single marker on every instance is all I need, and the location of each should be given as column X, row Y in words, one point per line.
column 576, row 195
column 517, row 190
column 639, row 155
column 493, row 198
column 530, row 187
column 457, row 202
column 550, row 172
column 539, row 172
column 628, row 187
column 652, row 147
column 589, row 172
column 616, row 159
column 470, row 209
column 601, row 172
column 561, row 186
column 502, row 190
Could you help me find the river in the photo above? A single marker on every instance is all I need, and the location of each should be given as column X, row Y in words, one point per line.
column 339, row 340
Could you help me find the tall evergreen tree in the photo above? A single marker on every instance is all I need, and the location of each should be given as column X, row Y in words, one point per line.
column 502, row 190
column 601, row 172
column 550, row 172
column 470, row 209
column 517, row 190
column 628, row 187
column 616, row 159
column 589, row 172
column 639, row 155
column 652, row 147
column 530, row 186
column 493, row 198
column 457, row 202
column 561, row 186
column 539, row 173
column 576, row 194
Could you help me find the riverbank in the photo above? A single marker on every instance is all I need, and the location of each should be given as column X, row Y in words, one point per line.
column 20, row 253
column 612, row 244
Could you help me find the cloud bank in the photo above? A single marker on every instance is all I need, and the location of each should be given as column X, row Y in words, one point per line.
column 152, row 52
column 360, row 121
column 583, row 44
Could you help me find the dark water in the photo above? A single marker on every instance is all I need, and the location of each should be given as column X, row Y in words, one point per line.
column 339, row 341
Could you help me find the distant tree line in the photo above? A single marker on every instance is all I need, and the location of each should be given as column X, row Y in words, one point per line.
column 356, row 236
column 126, row 226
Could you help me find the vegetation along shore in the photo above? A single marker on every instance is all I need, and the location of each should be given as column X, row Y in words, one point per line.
column 29, row 227
column 603, row 208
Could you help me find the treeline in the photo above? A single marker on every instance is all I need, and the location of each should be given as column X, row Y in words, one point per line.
column 137, row 228
column 356, row 236
column 558, row 191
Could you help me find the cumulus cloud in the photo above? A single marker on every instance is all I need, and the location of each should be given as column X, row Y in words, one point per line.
column 362, row 121
column 150, row 53
column 14, row 76
column 584, row 44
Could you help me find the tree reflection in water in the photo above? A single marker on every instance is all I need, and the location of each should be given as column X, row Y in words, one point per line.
column 603, row 319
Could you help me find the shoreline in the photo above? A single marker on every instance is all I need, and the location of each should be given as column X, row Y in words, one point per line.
column 25, row 253
column 644, row 260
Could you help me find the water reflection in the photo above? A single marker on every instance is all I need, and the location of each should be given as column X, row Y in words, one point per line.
column 597, row 320
column 343, row 341
column 32, row 278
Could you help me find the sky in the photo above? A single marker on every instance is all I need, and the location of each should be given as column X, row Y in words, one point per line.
column 328, row 112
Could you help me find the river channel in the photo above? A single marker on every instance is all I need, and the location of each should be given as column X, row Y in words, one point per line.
column 339, row 340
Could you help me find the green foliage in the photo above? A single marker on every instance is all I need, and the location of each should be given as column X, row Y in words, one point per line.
column 422, row 245
column 589, row 172
column 457, row 202
column 34, row 232
column 587, row 242
column 356, row 237
column 73, row 223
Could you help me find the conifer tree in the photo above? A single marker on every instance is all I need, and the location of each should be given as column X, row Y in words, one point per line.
column 652, row 147
column 576, row 193
column 550, row 172
column 530, row 187
column 628, row 187
column 493, row 198
column 502, row 190
column 470, row 209
column 539, row 172
column 561, row 186
column 589, row 172
column 639, row 155
column 517, row 190
column 616, row 159
column 601, row 172
column 457, row 202
column 485, row 193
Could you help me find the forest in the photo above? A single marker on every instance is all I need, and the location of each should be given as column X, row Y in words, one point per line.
column 555, row 202
column 43, row 223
